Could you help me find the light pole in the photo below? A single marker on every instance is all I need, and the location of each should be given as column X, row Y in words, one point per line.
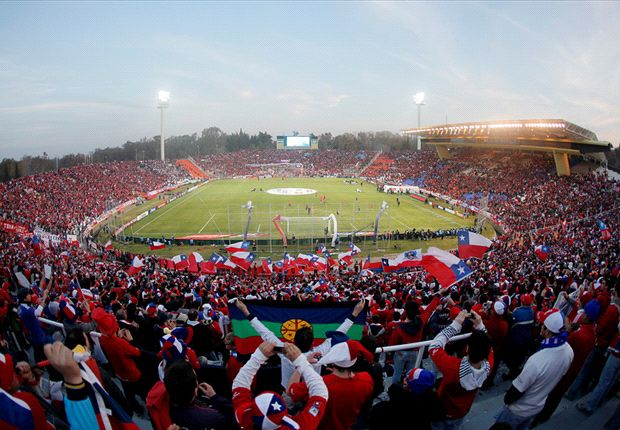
column 418, row 98
column 163, row 97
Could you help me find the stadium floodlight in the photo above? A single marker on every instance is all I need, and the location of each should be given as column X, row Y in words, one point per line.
column 163, row 97
column 418, row 98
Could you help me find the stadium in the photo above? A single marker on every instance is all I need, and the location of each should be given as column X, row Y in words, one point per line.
column 462, row 275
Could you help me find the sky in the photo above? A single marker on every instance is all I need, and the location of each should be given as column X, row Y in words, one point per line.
column 79, row 76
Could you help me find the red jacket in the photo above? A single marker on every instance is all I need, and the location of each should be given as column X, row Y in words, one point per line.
column 157, row 403
column 121, row 354
column 411, row 331
column 607, row 326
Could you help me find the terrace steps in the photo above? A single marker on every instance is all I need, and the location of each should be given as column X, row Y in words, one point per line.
column 192, row 168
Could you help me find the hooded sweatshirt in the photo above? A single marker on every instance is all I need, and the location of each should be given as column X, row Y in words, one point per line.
column 411, row 331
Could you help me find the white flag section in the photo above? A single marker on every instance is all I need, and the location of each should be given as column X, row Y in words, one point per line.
column 48, row 271
column 22, row 280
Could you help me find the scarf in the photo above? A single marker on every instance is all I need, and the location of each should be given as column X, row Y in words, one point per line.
column 555, row 341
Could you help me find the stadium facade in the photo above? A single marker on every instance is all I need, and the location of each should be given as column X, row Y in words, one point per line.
column 556, row 136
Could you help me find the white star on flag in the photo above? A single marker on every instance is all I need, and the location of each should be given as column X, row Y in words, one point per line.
column 276, row 406
column 461, row 238
column 461, row 270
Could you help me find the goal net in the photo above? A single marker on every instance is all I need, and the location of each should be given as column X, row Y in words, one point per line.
column 311, row 226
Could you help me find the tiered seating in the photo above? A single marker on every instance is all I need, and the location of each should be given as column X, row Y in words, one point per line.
column 193, row 170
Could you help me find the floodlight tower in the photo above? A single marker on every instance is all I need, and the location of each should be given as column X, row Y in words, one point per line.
column 418, row 98
column 163, row 97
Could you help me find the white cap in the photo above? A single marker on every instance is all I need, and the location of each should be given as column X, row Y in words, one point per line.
column 554, row 321
column 499, row 307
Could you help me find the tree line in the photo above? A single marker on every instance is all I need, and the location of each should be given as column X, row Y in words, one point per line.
column 211, row 140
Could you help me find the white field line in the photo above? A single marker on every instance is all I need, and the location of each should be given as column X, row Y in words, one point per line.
column 439, row 216
column 206, row 223
column 167, row 208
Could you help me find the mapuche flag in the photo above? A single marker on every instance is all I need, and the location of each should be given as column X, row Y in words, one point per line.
column 284, row 319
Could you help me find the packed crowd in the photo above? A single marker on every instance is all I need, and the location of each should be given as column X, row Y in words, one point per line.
column 63, row 201
column 551, row 324
column 322, row 162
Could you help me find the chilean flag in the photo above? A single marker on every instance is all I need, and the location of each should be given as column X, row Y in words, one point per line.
column 225, row 263
column 303, row 260
column 321, row 249
column 180, row 261
column 278, row 266
column 16, row 413
column 448, row 269
column 209, row 265
column 287, row 262
column 136, row 266
column 346, row 257
column 390, row 265
column 267, row 266
column 319, row 263
column 542, row 251
column 329, row 258
column 472, row 245
column 108, row 246
column 194, row 260
column 84, row 294
column 354, row 249
column 376, row 266
column 243, row 259
column 605, row 232
column 238, row 247
column 157, row 245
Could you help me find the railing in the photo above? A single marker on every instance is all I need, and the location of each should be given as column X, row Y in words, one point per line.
column 98, row 352
column 420, row 346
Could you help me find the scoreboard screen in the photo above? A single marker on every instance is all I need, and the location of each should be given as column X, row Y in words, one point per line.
column 297, row 142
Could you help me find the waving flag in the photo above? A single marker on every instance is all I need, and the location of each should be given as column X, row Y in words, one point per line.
column 209, row 265
column 181, row 261
column 605, row 232
column 472, row 245
column 267, row 266
column 225, row 263
column 329, row 258
column 542, row 251
column 448, row 269
column 346, row 258
column 238, row 247
column 285, row 319
column 407, row 259
column 84, row 294
column 108, row 246
column 390, row 265
column 304, row 260
column 16, row 414
column 243, row 259
column 287, row 262
column 321, row 249
column 376, row 266
column 319, row 263
column 157, row 245
column 353, row 249
column 136, row 266
column 278, row 266
column 194, row 261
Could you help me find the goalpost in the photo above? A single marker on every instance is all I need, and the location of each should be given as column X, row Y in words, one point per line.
column 309, row 226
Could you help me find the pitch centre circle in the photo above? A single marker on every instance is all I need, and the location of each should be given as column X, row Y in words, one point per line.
column 291, row 191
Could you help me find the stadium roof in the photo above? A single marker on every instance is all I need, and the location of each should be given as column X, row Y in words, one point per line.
column 549, row 135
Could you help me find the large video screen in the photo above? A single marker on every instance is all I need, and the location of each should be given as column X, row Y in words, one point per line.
column 298, row 141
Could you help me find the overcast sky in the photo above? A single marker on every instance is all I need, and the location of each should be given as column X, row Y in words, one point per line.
column 77, row 76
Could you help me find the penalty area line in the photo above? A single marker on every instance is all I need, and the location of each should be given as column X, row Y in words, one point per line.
column 206, row 223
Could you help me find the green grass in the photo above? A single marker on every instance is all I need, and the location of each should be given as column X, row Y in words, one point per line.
column 216, row 208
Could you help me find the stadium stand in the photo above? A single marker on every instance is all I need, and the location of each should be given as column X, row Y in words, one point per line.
column 155, row 316
column 194, row 170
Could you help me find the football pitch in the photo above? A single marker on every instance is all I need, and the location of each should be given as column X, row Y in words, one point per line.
column 216, row 210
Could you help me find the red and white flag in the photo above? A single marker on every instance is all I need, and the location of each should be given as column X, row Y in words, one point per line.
column 194, row 262
column 238, row 247
column 243, row 259
column 180, row 261
column 447, row 268
column 136, row 266
column 108, row 246
column 472, row 245
column 157, row 245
